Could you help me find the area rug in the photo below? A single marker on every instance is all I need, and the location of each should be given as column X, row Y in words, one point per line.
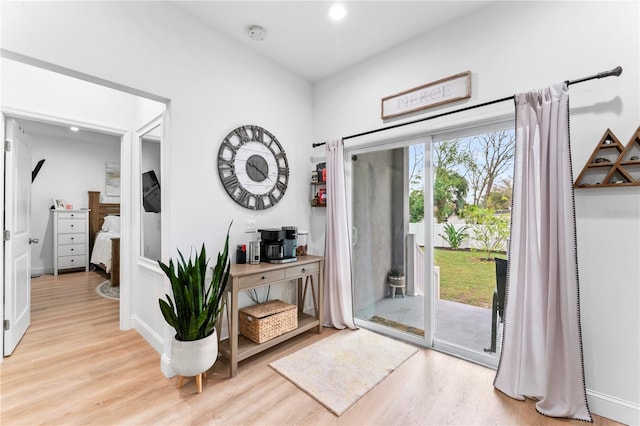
column 108, row 291
column 339, row 370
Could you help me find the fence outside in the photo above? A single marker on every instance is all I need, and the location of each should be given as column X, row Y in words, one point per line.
column 438, row 241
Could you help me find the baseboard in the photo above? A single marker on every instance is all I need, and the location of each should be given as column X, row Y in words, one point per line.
column 165, row 366
column 613, row 408
column 148, row 333
column 41, row 271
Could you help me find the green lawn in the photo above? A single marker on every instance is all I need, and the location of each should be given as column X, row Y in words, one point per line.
column 465, row 278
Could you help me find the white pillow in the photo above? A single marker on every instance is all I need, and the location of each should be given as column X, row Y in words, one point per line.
column 111, row 224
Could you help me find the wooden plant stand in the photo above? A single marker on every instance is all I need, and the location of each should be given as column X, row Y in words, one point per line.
column 199, row 378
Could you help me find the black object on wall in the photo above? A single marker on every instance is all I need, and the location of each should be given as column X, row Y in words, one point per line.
column 35, row 171
column 150, row 192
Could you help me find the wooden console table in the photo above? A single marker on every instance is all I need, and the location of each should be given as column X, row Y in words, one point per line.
column 247, row 277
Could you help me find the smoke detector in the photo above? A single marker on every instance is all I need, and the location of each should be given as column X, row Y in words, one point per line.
column 257, row 33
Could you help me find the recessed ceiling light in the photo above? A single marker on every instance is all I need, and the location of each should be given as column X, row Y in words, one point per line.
column 74, row 128
column 337, row 12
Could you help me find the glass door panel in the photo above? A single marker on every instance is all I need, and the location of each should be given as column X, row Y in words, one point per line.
column 384, row 249
column 472, row 178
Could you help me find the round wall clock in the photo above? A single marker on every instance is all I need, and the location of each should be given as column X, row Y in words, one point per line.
column 253, row 167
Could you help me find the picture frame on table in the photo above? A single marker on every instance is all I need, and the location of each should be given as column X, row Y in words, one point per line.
column 58, row 203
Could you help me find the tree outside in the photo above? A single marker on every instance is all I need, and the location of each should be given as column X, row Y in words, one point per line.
column 492, row 231
column 476, row 171
column 489, row 156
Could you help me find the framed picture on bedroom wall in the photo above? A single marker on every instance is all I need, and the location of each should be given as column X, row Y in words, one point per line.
column 113, row 180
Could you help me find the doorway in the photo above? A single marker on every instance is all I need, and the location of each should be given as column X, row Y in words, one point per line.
column 67, row 100
column 429, row 216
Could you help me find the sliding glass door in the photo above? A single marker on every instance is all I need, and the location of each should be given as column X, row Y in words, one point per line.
column 429, row 219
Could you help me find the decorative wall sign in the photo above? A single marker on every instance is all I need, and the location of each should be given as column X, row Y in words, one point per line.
column 428, row 95
column 113, row 180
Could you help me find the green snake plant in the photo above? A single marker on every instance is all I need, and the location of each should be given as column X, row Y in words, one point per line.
column 196, row 304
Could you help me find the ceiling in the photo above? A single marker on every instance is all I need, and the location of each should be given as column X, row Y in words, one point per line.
column 49, row 130
column 301, row 37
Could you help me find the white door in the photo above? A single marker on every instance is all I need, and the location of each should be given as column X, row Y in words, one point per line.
column 17, row 250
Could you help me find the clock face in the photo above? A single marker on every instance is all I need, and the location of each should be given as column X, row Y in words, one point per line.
column 253, row 167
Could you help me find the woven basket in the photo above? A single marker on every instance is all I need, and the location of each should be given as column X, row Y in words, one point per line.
column 265, row 321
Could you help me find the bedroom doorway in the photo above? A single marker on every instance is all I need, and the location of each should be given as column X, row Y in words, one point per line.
column 65, row 102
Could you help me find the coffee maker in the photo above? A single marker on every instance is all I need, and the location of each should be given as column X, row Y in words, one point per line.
column 278, row 245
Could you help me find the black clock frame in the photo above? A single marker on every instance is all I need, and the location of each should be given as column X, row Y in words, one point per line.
column 256, row 168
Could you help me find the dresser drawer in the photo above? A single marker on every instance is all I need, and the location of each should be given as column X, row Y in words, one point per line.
column 71, row 239
column 71, row 215
column 71, row 261
column 261, row 278
column 66, row 226
column 301, row 270
column 71, row 249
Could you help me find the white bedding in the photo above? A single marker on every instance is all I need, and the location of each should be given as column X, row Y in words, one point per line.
column 102, row 249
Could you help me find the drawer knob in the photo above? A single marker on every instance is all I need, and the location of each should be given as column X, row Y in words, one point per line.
column 263, row 278
column 304, row 270
column 71, row 260
column 72, row 238
column 72, row 225
column 72, row 249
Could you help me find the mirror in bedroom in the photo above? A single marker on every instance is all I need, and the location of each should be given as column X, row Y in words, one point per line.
column 150, row 216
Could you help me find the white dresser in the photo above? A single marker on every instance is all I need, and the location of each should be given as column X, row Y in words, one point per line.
column 70, row 239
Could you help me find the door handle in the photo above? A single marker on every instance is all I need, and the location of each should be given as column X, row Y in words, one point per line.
column 354, row 235
column 33, row 241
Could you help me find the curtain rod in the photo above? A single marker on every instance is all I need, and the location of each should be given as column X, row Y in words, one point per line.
column 614, row 72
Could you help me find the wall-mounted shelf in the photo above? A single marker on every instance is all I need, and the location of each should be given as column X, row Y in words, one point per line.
column 319, row 186
column 612, row 164
column 316, row 200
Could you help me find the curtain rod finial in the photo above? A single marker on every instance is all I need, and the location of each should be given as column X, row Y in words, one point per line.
column 616, row 71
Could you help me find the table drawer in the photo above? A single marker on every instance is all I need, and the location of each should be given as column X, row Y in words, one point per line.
column 261, row 278
column 66, row 226
column 71, row 262
column 301, row 270
column 71, row 250
column 71, row 239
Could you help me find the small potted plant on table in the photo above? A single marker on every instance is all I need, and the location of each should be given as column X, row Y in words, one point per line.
column 194, row 310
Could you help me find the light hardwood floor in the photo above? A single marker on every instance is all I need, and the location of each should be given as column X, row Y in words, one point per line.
column 74, row 366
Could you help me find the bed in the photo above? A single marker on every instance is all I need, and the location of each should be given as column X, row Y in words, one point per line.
column 104, row 236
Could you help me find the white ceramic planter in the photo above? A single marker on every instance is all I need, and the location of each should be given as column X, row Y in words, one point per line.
column 192, row 358
column 397, row 280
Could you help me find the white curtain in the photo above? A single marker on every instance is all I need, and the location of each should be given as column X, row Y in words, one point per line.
column 338, row 305
column 542, row 345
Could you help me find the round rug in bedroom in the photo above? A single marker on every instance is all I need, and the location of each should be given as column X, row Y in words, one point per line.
column 106, row 290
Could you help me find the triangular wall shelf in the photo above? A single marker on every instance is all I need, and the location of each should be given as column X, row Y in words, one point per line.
column 612, row 164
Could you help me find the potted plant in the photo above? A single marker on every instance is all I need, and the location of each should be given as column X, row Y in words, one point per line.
column 396, row 280
column 194, row 310
column 396, row 276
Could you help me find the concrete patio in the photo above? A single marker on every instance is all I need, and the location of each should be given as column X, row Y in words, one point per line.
column 457, row 323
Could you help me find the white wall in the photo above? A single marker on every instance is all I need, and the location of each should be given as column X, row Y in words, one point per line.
column 513, row 47
column 214, row 86
column 71, row 168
